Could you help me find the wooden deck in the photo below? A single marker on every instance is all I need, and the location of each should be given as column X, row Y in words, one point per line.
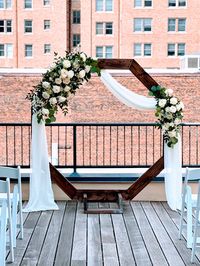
column 145, row 234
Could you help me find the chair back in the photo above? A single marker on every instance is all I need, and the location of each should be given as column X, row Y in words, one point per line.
column 10, row 172
column 192, row 174
column 5, row 186
column 3, row 224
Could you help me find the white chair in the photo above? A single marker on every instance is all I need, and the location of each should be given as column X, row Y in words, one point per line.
column 5, row 188
column 189, row 203
column 3, row 226
column 14, row 173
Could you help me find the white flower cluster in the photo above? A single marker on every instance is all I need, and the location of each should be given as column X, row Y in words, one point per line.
column 59, row 82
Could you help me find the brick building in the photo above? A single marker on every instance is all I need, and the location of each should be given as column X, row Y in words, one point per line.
column 31, row 30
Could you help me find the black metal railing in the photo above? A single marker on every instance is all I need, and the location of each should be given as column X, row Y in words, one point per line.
column 102, row 145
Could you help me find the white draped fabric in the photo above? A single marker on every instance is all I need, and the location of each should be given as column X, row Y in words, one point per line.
column 172, row 157
column 41, row 196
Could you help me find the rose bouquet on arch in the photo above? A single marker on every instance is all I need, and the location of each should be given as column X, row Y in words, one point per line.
column 169, row 111
column 64, row 77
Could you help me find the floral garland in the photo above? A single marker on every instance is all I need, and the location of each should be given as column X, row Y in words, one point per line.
column 169, row 111
column 62, row 79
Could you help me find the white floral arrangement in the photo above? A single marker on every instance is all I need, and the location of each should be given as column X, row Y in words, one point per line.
column 64, row 77
column 169, row 111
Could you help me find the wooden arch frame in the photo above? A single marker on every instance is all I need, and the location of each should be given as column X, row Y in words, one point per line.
column 141, row 182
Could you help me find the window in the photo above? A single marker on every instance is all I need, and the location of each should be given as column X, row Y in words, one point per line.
column 142, row 3
column 142, row 49
column 28, row 26
column 104, row 28
column 47, row 24
column 5, row 26
column 104, row 51
column 176, row 3
column 5, row 4
column 6, row 50
column 27, row 3
column 28, row 50
column 142, row 24
column 76, row 16
column 178, row 24
column 76, row 39
column 47, row 48
column 175, row 49
column 104, row 5
column 46, row 2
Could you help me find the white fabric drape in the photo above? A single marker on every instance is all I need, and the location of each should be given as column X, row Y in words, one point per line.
column 172, row 157
column 41, row 196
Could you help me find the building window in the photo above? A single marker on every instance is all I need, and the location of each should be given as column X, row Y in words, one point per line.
column 104, row 28
column 6, row 50
column 142, row 24
column 28, row 26
column 104, row 51
column 76, row 17
column 175, row 49
column 6, row 26
column 46, row 2
column 5, row 4
column 76, row 39
column 177, row 3
column 28, row 50
column 142, row 49
column 27, row 3
column 47, row 24
column 176, row 24
column 47, row 48
column 104, row 5
column 142, row 3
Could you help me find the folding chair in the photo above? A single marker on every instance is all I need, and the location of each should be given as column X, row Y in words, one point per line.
column 3, row 226
column 189, row 203
column 5, row 188
column 14, row 173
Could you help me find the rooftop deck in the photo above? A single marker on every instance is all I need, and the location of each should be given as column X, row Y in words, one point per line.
column 145, row 234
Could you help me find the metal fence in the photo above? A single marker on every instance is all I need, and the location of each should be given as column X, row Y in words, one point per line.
column 102, row 145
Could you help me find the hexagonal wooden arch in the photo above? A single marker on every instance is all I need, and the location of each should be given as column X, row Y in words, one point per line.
column 141, row 182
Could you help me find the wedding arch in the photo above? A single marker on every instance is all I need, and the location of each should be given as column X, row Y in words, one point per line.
column 170, row 161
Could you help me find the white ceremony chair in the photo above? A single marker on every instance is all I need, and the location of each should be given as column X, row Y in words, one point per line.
column 14, row 173
column 5, row 188
column 3, row 226
column 189, row 203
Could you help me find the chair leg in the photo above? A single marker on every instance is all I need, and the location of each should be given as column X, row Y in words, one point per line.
column 181, row 221
column 195, row 235
column 189, row 223
column 21, row 221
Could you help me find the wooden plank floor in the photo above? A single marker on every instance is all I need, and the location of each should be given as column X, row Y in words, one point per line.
column 145, row 234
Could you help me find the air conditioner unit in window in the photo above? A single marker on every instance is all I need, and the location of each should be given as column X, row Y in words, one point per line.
column 190, row 62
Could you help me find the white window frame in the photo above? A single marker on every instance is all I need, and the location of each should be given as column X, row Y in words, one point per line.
column 103, row 28
column 104, row 7
column 28, row 7
column 142, row 49
column 104, row 47
column 142, row 4
column 49, row 23
column 73, row 11
column 76, row 34
column 176, row 45
column 177, row 4
column 5, row 4
column 176, row 24
column 44, row 2
column 25, row 27
column 5, row 26
column 47, row 48
column 142, row 25
column 5, row 50
column 26, row 50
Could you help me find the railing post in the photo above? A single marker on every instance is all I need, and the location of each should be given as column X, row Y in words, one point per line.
column 74, row 148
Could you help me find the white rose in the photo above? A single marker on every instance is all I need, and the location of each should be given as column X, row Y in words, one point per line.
column 56, row 89
column 45, row 111
column 169, row 116
column 58, row 81
column 45, row 85
column 169, row 92
column 173, row 100
column 53, row 101
column 83, row 56
column 63, row 73
column 67, row 88
column 167, row 109
column 66, row 80
column 182, row 105
column 70, row 74
column 172, row 134
column 66, row 63
column 53, row 65
column 45, row 95
column 172, row 109
column 76, row 64
column 81, row 74
column 162, row 102
column 61, row 99
column 87, row 68
column 177, row 121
